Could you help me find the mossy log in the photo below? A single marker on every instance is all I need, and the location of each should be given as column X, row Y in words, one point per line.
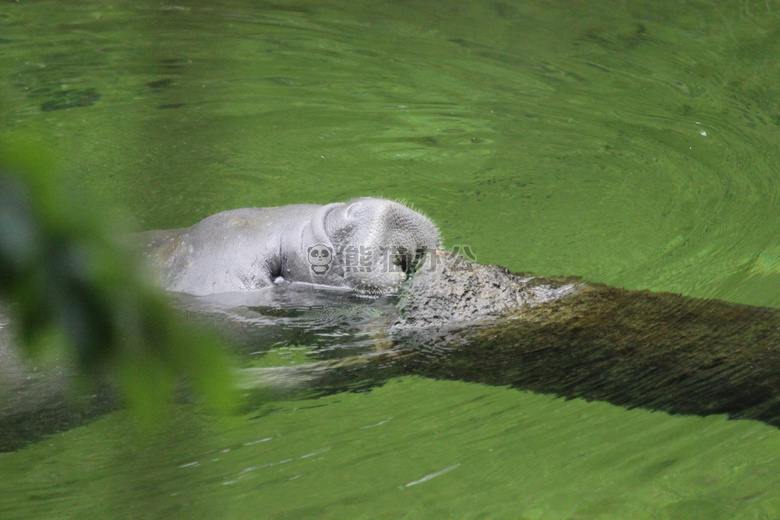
column 659, row 351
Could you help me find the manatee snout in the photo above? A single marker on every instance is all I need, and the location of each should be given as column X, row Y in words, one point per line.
column 379, row 242
column 365, row 244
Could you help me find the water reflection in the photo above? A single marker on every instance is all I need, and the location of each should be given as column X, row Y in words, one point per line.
column 316, row 318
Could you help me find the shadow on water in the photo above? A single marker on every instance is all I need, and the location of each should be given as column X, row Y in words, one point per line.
column 37, row 400
column 23, row 427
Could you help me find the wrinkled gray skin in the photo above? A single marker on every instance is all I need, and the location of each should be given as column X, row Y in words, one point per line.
column 369, row 244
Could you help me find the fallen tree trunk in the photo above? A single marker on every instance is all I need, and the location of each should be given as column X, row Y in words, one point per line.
column 562, row 336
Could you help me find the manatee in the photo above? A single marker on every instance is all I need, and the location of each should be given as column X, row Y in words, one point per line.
column 366, row 244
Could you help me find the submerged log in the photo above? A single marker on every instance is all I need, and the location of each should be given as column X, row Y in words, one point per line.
column 563, row 336
column 481, row 323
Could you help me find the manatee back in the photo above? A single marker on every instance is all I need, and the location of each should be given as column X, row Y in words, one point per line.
column 229, row 251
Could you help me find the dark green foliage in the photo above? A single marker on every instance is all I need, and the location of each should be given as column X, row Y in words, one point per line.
column 72, row 286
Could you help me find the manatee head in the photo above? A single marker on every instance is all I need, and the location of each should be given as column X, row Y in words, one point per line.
column 378, row 242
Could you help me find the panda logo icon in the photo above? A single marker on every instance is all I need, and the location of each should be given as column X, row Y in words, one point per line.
column 320, row 257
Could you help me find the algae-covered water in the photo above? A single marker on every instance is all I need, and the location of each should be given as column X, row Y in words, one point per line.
column 631, row 143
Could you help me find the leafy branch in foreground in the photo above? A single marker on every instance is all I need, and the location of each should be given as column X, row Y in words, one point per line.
column 73, row 286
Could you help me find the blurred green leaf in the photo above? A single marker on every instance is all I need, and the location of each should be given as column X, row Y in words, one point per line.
column 66, row 276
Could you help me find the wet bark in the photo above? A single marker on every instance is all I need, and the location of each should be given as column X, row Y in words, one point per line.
column 562, row 336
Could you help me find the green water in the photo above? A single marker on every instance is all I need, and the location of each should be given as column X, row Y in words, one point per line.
column 502, row 454
column 632, row 143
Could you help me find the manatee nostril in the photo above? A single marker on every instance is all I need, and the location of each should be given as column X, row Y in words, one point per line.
column 409, row 261
column 275, row 271
column 404, row 262
column 414, row 264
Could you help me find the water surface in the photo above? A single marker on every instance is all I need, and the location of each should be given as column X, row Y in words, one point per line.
column 631, row 143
